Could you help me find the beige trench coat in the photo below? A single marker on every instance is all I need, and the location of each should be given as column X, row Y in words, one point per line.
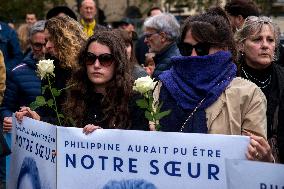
column 241, row 107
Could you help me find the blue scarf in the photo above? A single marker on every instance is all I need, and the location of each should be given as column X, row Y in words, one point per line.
column 193, row 78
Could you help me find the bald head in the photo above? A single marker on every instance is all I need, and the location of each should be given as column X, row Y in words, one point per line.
column 88, row 10
column 88, row 2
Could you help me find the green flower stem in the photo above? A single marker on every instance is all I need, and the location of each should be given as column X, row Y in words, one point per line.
column 55, row 104
column 152, row 110
column 67, row 87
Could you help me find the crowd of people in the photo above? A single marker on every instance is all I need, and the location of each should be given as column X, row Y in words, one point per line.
column 218, row 72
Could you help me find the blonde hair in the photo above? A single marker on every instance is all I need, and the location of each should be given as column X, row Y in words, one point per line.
column 23, row 34
column 68, row 37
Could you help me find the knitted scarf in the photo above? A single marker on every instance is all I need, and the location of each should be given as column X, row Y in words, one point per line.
column 194, row 78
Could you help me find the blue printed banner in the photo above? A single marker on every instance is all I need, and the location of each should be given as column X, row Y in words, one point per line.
column 33, row 161
column 254, row 175
column 156, row 160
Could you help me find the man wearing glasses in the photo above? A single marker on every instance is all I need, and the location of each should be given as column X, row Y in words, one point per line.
column 161, row 32
column 24, row 85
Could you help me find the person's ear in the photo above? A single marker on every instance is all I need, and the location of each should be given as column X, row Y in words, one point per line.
column 164, row 36
column 241, row 47
column 240, row 21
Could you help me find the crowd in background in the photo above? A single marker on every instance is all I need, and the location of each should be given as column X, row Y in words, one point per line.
column 219, row 72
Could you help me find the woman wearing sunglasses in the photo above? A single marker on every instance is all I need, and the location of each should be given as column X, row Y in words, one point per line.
column 257, row 41
column 102, row 95
column 202, row 89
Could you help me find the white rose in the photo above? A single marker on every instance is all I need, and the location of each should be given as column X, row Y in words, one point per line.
column 144, row 84
column 45, row 67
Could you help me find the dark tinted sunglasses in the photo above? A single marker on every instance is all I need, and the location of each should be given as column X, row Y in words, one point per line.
column 201, row 49
column 104, row 59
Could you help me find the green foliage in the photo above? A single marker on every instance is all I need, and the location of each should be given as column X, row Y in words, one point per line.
column 152, row 111
column 55, row 92
column 51, row 103
column 40, row 101
column 15, row 10
column 142, row 103
column 148, row 115
column 162, row 114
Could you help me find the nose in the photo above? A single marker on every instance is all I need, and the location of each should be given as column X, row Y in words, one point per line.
column 193, row 53
column 48, row 45
column 43, row 49
column 265, row 43
column 97, row 63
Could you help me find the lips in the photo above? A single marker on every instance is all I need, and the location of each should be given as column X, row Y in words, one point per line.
column 97, row 73
column 265, row 54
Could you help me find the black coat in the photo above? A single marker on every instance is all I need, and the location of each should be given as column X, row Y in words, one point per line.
column 94, row 114
column 275, row 108
column 163, row 59
column 62, row 75
column 279, row 116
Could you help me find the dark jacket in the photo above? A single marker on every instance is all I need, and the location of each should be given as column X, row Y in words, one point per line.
column 163, row 59
column 62, row 75
column 10, row 47
column 95, row 116
column 275, row 108
column 22, row 87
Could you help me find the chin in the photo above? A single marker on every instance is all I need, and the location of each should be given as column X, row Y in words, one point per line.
column 264, row 64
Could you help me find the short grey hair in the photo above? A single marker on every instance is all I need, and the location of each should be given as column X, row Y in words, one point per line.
column 164, row 22
column 37, row 27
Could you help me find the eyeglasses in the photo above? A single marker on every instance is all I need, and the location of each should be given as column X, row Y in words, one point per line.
column 201, row 49
column 148, row 35
column 105, row 59
column 38, row 46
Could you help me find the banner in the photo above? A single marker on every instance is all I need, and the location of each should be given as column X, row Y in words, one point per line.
column 254, row 175
column 33, row 159
column 158, row 160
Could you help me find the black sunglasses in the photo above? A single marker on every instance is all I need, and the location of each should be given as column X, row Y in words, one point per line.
column 105, row 59
column 201, row 49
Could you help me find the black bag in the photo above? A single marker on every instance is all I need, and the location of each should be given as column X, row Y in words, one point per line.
column 4, row 148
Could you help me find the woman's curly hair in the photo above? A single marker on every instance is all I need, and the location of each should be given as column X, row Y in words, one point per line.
column 115, row 101
column 68, row 36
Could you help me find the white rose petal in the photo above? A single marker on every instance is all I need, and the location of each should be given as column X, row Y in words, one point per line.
column 144, row 84
column 45, row 67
